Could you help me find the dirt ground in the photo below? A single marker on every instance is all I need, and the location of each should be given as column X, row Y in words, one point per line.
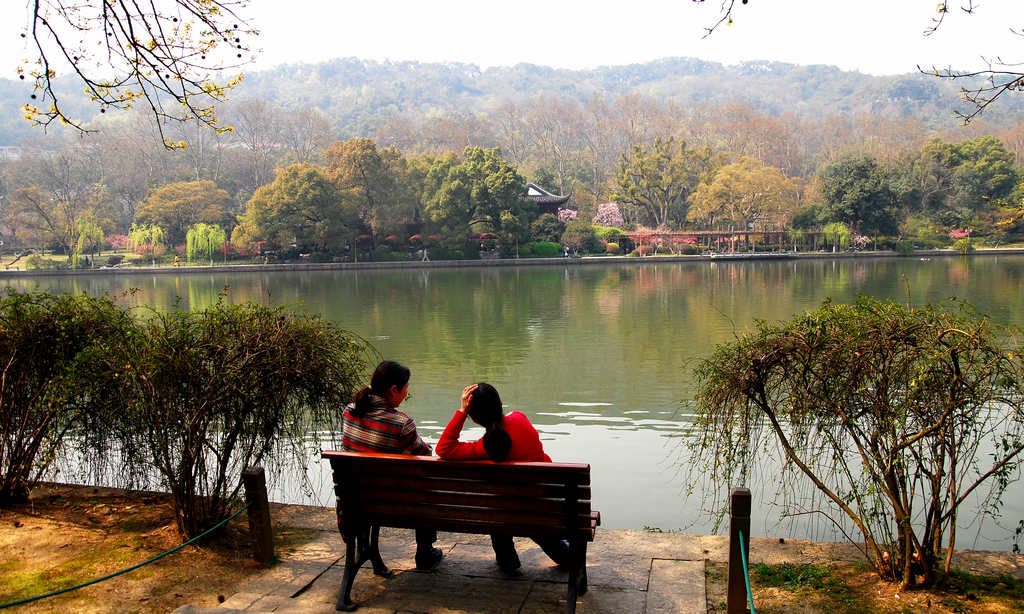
column 849, row 586
column 67, row 535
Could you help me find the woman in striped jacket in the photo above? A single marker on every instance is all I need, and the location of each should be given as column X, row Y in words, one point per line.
column 372, row 423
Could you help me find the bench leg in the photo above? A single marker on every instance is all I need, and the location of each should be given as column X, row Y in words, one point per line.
column 577, row 573
column 351, row 567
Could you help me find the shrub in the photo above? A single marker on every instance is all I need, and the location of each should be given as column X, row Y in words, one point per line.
column 883, row 408
column 208, row 393
column 579, row 236
column 690, row 250
column 609, row 234
column 49, row 346
column 545, row 249
column 114, row 259
column 613, row 249
column 904, row 247
column 320, row 257
column 964, row 246
column 644, row 250
column 547, row 227
column 40, row 263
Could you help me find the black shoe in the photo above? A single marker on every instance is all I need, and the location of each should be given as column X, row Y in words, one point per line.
column 428, row 559
column 510, row 565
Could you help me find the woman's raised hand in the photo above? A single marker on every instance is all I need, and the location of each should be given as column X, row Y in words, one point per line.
column 467, row 395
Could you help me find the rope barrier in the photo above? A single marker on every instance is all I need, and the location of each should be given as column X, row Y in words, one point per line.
column 132, row 568
column 746, row 574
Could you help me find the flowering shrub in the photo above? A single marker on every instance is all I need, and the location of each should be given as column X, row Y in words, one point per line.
column 117, row 241
column 567, row 215
column 960, row 233
column 644, row 250
column 858, row 242
column 608, row 214
column 613, row 249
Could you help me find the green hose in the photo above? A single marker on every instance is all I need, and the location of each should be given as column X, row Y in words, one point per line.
column 746, row 574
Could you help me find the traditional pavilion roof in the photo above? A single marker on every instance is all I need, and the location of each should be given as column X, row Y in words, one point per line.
column 542, row 197
column 546, row 201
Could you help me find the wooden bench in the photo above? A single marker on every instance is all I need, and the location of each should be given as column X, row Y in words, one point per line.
column 425, row 492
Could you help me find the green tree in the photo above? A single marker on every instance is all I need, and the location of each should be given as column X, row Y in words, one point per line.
column 660, row 178
column 146, row 238
column 203, row 240
column 744, row 195
column 956, row 181
column 858, row 193
column 475, row 192
column 514, row 230
column 370, row 179
column 177, row 206
column 301, row 205
column 884, row 409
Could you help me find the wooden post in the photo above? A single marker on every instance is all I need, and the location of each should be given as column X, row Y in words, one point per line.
column 739, row 521
column 255, row 482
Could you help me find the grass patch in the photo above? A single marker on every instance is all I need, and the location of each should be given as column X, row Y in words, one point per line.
column 790, row 576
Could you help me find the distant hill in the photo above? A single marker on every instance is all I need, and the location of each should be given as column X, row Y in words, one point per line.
column 358, row 94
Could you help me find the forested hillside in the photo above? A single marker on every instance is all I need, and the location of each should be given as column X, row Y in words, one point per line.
column 359, row 96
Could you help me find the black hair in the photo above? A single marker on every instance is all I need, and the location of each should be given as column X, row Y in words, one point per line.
column 485, row 410
column 387, row 374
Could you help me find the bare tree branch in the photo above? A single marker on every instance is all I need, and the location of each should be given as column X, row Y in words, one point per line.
column 169, row 53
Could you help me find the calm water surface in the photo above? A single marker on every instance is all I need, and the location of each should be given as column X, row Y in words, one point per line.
column 598, row 357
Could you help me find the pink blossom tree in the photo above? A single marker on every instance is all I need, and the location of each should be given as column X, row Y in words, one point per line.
column 608, row 214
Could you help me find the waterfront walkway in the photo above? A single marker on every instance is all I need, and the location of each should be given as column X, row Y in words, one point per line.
column 629, row 571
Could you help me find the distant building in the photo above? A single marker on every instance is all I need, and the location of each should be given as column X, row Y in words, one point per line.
column 546, row 201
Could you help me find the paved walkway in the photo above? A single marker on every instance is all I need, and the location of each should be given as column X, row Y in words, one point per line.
column 629, row 572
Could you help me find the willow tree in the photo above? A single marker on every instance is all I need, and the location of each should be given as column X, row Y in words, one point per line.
column 146, row 238
column 204, row 240
column 897, row 415
column 88, row 238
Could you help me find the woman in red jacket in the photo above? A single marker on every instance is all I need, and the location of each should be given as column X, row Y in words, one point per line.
column 508, row 437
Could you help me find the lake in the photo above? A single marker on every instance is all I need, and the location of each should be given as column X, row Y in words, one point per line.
column 598, row 357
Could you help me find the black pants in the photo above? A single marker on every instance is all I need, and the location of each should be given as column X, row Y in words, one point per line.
column 505, row 550
column 425, row 539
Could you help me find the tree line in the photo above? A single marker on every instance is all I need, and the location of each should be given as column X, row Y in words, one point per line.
column 278, row 180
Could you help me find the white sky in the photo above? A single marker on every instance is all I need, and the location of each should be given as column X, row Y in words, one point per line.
column 872, row 36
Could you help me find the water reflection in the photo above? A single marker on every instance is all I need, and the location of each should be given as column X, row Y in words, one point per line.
column 598, row 357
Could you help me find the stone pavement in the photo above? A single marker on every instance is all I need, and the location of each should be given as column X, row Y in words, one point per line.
column 628, row 571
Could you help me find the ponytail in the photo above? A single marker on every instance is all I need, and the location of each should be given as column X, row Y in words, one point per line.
column 387, row 374
column 485, row 410
column 497, row 442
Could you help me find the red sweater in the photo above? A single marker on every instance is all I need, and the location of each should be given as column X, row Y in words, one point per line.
column 526, row 444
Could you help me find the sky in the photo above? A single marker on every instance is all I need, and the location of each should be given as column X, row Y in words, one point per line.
column 877, row 37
